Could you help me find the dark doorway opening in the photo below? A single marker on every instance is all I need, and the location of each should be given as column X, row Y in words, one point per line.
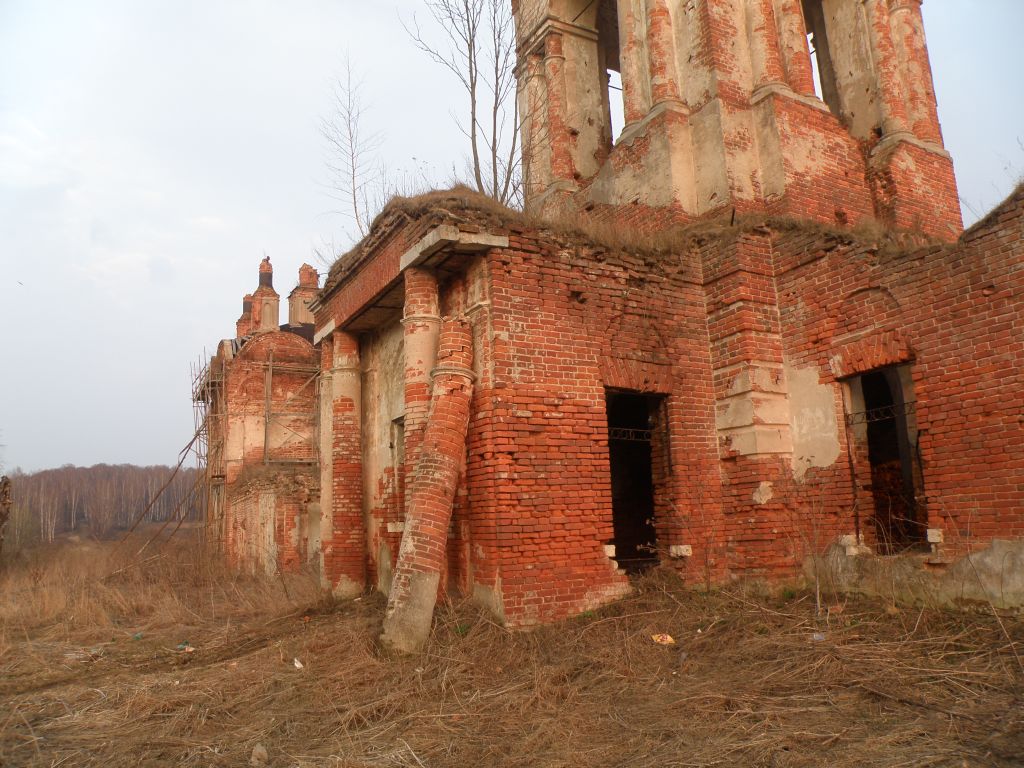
column 630, row 426
column 892, row 454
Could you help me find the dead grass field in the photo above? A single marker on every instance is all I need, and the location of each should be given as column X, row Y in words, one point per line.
column 96, row 672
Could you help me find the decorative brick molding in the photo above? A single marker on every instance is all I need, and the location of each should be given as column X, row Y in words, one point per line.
column 870, row 353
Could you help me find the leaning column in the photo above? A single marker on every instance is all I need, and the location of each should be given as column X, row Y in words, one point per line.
column 438, row 468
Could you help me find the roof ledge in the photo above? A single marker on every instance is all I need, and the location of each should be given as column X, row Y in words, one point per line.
column 447, row 235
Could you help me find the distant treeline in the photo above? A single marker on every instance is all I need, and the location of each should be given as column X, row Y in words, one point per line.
column 96, row 501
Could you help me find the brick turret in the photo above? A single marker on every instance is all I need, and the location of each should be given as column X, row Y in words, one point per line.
column 266, row 301
column 244, row 324
column 301, row 296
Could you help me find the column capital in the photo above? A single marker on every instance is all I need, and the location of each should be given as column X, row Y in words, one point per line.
column 453, row 370
column 421, row 318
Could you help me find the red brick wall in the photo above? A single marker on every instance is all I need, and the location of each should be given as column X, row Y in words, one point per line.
column 955, row 313
column 556, row 321
column 567, row 321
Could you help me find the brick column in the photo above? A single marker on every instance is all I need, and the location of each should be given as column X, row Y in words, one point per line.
column 558, row 122
column 422, row 323
column 746, row 345
column 661, row 53
column 325, row 425
column 887, row 67
column 796, row 56
column 432, row 492
column 765, row 52
column 345, row 560
column 752, row 409
column 908, row 37
column 632, row 61
column 536, row 144
column 913, row 184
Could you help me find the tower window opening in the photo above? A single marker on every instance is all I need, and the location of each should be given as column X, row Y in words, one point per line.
column 611, row 69
column 616, row 109
column 815, row 71
column 822, row 67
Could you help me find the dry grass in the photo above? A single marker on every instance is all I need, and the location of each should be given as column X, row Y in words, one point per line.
column 746, row 684
column 467, row 208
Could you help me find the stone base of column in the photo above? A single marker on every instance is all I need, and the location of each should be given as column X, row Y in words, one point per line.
column 407, row 627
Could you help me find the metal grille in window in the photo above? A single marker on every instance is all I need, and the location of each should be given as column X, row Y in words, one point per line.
column 634, row 435
column 880, row 414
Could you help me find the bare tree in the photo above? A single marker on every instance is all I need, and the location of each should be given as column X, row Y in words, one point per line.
column 100, row 499
column 480, row 53
column 357, row 173
column 6, row 503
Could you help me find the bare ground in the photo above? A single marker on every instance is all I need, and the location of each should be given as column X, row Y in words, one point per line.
column 176, row 662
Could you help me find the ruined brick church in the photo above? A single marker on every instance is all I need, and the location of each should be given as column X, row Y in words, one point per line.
column 746, row 328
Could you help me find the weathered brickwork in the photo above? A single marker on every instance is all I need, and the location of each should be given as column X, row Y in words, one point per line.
column 747, row 337
column 525, row 408
column 723, row 112
column 954, row 315
column 750, row 339
column 260, row 392
column 570, row 321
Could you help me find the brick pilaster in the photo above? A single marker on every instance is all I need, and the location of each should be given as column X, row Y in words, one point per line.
column 345, row 562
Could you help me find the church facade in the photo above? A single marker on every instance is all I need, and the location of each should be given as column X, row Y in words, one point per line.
column 746, row 329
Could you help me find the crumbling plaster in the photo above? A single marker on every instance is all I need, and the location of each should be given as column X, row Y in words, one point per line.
column 383, row 355
column 991, row 577
column 721, row 111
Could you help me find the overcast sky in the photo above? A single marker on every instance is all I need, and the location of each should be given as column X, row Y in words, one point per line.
column 151, row 151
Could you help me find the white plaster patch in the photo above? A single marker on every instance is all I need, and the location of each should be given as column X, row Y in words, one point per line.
column 764, row 493
column 813, row 427
column 836, row 364
column 266, row 547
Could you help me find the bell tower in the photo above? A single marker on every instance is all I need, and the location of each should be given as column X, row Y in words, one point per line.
column 820, row 109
